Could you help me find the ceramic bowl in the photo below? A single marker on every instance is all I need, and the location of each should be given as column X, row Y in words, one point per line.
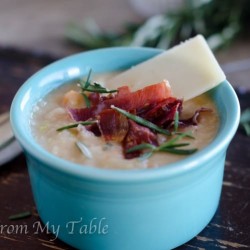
column 147, row 209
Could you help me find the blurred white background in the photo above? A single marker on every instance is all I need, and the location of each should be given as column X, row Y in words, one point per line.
column 40, row 24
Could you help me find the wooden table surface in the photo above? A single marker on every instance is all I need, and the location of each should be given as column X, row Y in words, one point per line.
column 229, row 229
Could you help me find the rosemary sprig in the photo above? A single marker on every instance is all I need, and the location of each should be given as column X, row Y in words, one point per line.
column 85, row 84
column 74, row 125
column 230, row 21
column 141, row 121
column 171, row 147
column 84, row 149
column 97, row 88
column 172, row 142
column 93, row 87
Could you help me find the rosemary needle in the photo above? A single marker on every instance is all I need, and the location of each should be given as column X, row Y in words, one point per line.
column 86, row 99
column 176, row 121
column 74, row 125
column 141, row 121
column 170, row 146
column 93, row 87
column 97, row 88
column 84, row 149
column 19, row 216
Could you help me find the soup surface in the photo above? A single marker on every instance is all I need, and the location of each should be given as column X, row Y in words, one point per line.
column 49, row 114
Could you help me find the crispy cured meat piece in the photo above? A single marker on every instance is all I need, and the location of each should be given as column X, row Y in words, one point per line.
column 124, row 99
column 193, row 120
column 136, row 135
column 82, row 114
column 113, row 125
column 122, row 91
column 153, row 103
column 161, row 113
column 140, row 98
column 96, row 98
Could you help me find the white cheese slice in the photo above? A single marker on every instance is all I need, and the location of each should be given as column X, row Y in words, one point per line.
column 190, row 68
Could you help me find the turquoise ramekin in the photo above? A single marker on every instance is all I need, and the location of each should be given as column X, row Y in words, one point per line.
column 106, row 209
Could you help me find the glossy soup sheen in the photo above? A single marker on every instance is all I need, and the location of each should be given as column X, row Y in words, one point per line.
column 49, row 114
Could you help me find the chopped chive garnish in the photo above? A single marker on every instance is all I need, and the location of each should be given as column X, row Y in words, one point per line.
column 19, row 216
column 74, row 125
column 84, row 149
column 141, row 121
